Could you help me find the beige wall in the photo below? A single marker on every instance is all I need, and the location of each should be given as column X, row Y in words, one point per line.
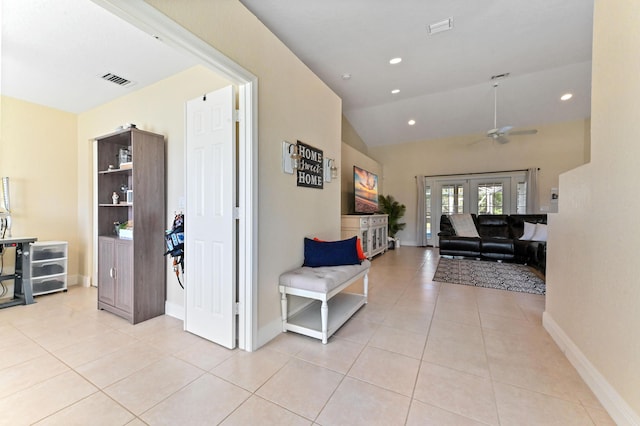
column 554, row 149
column 293, row 105
column 351, row 137
column 37, row 153
column 593, row 295
column 353, row 157
column 158, row 108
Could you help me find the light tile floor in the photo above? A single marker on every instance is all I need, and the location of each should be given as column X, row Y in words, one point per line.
column 420, row 353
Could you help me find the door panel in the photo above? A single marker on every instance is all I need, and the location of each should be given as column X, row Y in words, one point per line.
column 210, row 227
column 491, row 196
column 124, row 275
column 452, row 198
column 106, row 282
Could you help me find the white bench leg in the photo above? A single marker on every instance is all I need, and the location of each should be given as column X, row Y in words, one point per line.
column 324, row 315
column 365, row 287
column 283, row 304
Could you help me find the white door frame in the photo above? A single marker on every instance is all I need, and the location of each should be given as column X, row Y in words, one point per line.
column 150, row 20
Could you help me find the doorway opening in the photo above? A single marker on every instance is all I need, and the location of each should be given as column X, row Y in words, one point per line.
column 148, row 19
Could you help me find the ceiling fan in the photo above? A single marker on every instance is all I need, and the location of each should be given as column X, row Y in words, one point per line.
column 499, row 134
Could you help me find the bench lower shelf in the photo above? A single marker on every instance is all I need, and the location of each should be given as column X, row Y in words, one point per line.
column 308, row 321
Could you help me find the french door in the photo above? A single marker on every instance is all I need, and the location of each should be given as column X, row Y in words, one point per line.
column 478, row 194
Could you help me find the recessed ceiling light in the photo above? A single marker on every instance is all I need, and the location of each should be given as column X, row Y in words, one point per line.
column 346, row 76
column 411, row 122
column 395, row 61
column 395, row 91
column 438, row 27
column 566, row 97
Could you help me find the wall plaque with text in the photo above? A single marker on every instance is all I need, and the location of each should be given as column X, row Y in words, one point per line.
column 310, row 172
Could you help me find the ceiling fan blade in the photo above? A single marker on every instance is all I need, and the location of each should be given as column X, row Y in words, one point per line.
column 501, row 140
column 504, row 130
column 524, row 132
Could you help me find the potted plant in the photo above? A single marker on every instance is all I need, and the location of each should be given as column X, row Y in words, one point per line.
column 395, row 210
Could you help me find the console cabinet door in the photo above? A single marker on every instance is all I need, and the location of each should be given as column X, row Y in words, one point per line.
column 106, row 264
column 124, row 275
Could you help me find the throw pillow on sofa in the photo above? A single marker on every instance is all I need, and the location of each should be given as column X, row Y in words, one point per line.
column 464, row 225
column 529, row 230
column 541, row 232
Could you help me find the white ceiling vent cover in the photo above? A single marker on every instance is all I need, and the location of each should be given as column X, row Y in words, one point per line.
column 120, row 81
column 438, row 27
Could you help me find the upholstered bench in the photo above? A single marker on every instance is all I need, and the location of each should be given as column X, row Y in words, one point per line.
column 331, row 307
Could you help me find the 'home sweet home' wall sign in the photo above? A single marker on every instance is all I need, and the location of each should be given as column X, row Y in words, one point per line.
column 310, row 172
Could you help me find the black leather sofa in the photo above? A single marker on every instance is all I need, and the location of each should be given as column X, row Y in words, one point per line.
column 499, row 240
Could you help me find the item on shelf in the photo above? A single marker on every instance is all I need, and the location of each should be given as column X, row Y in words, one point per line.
column 124, row 155
column 115, row 197
column 125, row 230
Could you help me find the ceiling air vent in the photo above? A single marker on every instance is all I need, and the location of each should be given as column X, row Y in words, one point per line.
column 120, row 81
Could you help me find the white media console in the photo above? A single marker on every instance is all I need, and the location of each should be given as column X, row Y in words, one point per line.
column 371, row 228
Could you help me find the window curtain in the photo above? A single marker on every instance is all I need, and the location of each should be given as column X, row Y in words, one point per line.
column 421, row 231
column 532, row 190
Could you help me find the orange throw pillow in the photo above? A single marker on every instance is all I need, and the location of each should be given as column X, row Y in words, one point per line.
column 361, row 255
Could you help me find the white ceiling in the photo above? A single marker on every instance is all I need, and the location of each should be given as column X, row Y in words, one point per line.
column 53, row 53
column 444, row 78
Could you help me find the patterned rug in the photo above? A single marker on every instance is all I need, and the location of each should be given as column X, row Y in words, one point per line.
column 480, row 273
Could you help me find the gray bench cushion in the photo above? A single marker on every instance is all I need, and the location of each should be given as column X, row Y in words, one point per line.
column 322, row 279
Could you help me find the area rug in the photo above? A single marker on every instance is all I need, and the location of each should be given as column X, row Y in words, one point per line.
column 480, row 273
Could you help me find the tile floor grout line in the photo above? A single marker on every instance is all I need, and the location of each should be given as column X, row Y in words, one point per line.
column 424, row 348
column 344, row 375
column 486, row 357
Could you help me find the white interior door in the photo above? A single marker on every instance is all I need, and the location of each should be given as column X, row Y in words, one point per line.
column 210, row 226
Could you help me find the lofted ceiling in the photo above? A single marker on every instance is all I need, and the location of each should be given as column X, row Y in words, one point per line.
column 54, row 53
column 444, row 78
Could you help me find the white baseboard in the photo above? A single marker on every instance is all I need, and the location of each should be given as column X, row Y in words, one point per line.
column 82, row 280
column 174, row 310
column 269, row 332
column 616, row 406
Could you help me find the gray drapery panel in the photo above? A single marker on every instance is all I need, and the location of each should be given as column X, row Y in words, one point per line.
column 421, row 232
column 532, row 190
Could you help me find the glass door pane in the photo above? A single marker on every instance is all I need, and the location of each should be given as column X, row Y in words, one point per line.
column 490, row 198
column 452, row 198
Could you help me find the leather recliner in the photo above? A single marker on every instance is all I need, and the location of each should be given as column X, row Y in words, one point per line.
column 499, row 239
